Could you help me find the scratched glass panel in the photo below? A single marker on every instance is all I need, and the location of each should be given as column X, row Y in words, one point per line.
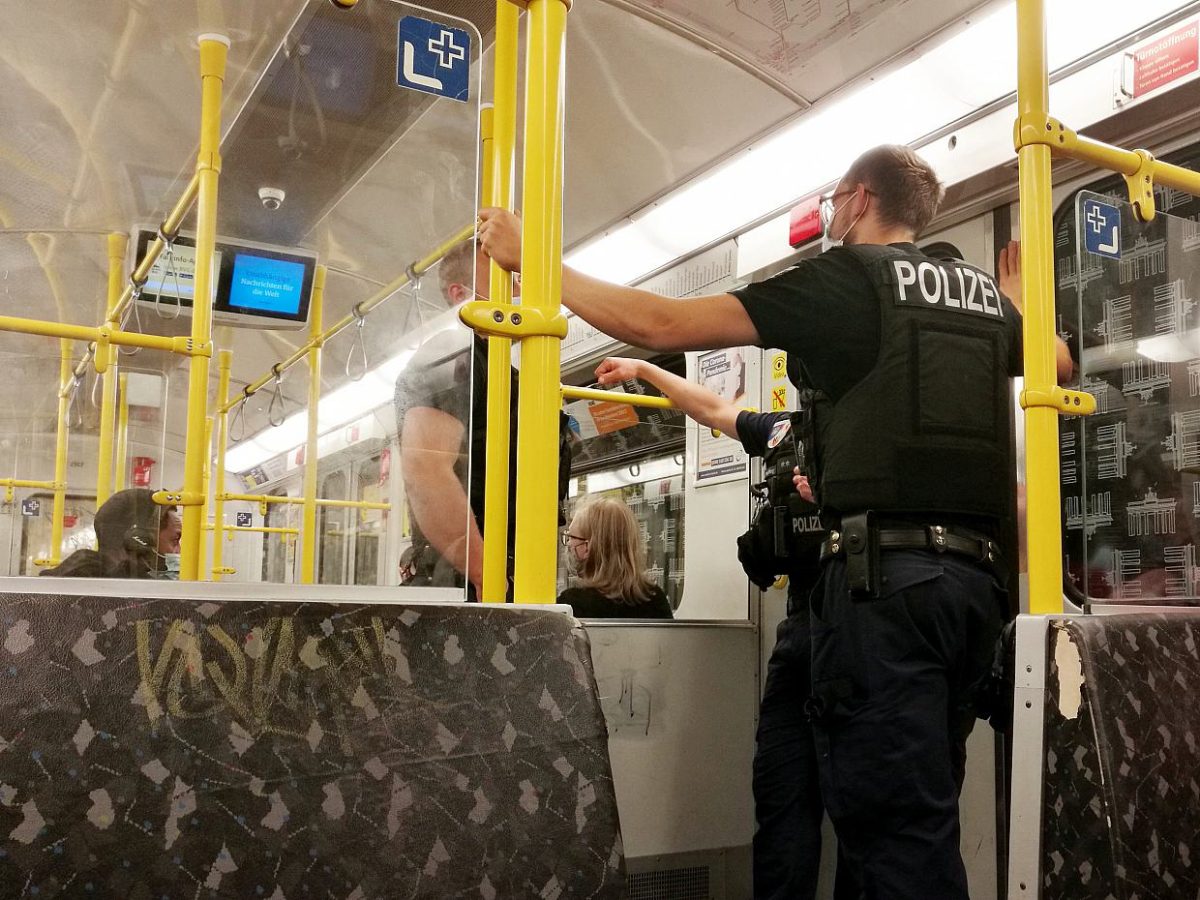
column 1131, row 491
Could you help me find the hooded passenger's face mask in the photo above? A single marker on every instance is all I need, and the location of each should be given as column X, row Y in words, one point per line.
column 828, row 213
column 170, row 567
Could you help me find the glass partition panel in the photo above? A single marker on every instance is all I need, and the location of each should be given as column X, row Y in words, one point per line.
column 1131, row 472
column 373, row 134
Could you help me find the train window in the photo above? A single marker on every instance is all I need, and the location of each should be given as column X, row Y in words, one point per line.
column 1131, row 473
column 653, row 490
column 612, row 434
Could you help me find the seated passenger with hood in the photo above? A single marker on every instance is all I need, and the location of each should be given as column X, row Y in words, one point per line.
column 607, row 558
column 136, row 538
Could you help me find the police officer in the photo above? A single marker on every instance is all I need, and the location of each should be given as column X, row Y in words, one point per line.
column 784, row 540
column 909, row 358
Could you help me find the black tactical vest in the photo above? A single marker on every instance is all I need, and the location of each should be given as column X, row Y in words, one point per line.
column 925, row 431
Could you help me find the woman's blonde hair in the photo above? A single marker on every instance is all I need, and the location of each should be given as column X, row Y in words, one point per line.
column 616, row 561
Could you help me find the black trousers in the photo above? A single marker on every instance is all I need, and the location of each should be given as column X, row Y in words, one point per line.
column 787, row 793
column 894, row 680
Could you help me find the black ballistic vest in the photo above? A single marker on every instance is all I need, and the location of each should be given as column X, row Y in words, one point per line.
column 924, row 431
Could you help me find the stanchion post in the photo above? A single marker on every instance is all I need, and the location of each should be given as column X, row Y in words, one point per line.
column 117, row 244
column 308, row 526
column 121, row 462
column 61, row 438
column 1043, row 538
column 541, row 267
column 498, row 128
column 224, row 364
column 213, row 51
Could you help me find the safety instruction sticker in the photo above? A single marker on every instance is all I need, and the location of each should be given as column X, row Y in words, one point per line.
column 433, row 58
column 31, row 507
column 245, row 519
column 1102, row 229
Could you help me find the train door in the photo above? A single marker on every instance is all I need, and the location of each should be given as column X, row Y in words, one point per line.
column 279, row 551
column 333, row 525
column 370, row 485
column 351, row 547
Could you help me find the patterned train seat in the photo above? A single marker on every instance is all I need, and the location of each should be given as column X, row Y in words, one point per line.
column 160, row 749
column 1121, row 795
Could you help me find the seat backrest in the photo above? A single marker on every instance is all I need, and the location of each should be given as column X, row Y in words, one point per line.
column 153, row 748
column 1121, row 769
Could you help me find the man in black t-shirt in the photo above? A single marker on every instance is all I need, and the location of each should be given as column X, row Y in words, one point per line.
column 787, row 797
column 910, row 360
column 441, row 411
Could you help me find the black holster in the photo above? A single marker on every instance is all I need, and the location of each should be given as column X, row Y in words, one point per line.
column 861, row 542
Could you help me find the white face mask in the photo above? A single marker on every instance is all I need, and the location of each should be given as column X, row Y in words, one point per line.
column 170, row 569
column 828, row 211
column 574, row 564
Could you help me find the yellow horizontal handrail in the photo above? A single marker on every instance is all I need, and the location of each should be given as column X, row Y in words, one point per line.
column 260, row 529
column 578, row 393
column 361, row 309
column 26, row 483
column 272, row 498
column 169, row 229
column 97, row 333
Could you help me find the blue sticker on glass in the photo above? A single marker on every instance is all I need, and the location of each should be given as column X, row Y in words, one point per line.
column 433, row 58
column 1102, row 229
column 245, row 519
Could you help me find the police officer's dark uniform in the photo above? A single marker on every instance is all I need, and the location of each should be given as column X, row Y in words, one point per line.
column 785, row 539
column 909, row 358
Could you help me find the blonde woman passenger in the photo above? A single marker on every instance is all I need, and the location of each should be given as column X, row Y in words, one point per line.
column 608, row 565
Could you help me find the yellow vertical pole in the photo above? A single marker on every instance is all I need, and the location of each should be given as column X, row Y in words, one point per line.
column 108, row 390
column 1043, row 538
column 541, row 279
column 224, row 363
column 122, row 456
column 65, row 377
column 208, row 433
column 498, row 128
column 308, row 528
column 213, row 50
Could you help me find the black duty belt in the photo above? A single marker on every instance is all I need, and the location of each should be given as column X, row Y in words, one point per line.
column 860, row 541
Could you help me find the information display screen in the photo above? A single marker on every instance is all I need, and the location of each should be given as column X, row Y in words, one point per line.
column 256, row 285
column 265, row 285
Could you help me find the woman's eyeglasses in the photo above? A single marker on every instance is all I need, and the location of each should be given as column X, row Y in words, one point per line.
column 568, row 537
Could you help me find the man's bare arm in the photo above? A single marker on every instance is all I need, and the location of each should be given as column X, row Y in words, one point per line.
column 1008, row 272
column 429, row 449
column 637, row 317
column 696, row 402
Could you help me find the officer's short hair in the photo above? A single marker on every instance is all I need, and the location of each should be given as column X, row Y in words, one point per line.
column 905, row 187
column 458, row 267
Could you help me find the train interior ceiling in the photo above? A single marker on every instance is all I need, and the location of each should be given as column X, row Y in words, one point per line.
column 327, row 165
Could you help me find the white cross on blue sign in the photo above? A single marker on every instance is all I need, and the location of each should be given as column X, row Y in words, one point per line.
column 31, row 506
column 433, row 58
column 1102, row 229
column 245, row 519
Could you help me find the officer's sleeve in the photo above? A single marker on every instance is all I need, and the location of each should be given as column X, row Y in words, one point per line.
column 779, row 307
column 754, row 430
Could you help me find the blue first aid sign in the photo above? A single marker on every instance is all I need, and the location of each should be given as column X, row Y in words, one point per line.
column 433, row 58
column 31, row 506
column 1102, row 229
column 245, row 519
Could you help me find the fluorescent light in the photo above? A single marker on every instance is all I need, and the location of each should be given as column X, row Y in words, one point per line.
column 350, row 401
column 925, row 92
